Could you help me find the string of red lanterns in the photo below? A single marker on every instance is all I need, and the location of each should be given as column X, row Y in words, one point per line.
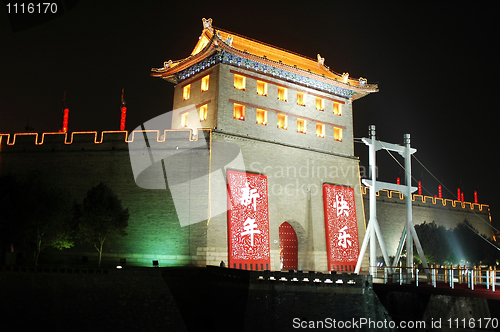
column 460, row 194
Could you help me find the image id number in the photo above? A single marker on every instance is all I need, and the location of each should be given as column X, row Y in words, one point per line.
column 32, row 8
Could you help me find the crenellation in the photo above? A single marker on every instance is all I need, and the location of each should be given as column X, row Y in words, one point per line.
column 106, row 140
column 418, row 200
column 391, row 214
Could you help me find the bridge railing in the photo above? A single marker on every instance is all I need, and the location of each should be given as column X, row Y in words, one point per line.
column 470, row 277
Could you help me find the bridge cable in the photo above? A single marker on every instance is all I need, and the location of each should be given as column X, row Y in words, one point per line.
column 480, row 218
column 453, row 195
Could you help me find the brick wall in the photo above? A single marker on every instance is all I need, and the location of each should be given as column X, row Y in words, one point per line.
column 391, row 215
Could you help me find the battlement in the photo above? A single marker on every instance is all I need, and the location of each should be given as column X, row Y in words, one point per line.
column 92, row 140
column 397, row 197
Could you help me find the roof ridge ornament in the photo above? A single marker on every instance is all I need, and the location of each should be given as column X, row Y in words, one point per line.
column 228, row 40
column 207, row 24
column 321, row 60
column 345, row 77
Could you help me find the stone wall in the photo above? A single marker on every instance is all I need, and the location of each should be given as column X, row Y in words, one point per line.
column 228, row 96
column 295, row 179
column 79, row 161
column 391, row 215
column 154, row 232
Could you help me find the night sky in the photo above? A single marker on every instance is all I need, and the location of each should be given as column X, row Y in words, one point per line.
column 434, row 66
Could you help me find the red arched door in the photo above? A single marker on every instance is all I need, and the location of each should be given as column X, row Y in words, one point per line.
column 288, row 247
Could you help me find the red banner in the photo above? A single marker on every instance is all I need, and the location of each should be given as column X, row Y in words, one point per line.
column 341, row 227
column 248, row 221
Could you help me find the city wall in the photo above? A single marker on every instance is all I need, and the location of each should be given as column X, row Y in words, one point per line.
column 76, row 162
column 391, row 214
column 79, row 161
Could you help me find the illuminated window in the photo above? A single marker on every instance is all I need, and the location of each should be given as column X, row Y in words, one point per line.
column 262, row 117
column 239, row 112
column 282, row 93
column 337, row 108
column 301, row 126
column 261, row 88
column 184, row 120
column 282, row 121
column 186, row 92
column 204, row 83
column 320, row 104
column 300, row 99
column 203, row 112
column 337, row 134
column 320, row 130
column 239, row 82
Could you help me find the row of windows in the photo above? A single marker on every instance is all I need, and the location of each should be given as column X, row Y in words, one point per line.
column 261, row 119
column 240, row 84
column 282, row 123
column 202, row 115
column 186, row 90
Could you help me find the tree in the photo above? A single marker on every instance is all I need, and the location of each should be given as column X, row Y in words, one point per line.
column 433, row 239
column 101, row 216
column 9, row 194
column 455, row 246
column 472, row 247
column 35, row 213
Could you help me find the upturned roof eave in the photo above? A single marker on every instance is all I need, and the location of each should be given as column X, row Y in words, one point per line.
column 297, row 70
column 168, row 73
column 215, row 44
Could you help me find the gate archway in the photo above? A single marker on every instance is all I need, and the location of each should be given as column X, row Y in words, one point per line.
column 288, row 247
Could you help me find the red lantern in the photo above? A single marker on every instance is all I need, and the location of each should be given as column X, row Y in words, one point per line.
column 65, row 120
column 124, row 112
column 123, row 117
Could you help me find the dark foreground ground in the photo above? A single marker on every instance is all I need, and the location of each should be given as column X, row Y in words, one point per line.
column 57, row 298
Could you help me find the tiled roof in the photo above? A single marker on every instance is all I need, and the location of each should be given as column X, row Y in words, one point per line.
column 214, row 39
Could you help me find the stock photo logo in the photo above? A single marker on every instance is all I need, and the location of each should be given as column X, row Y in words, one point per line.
column 186, row 162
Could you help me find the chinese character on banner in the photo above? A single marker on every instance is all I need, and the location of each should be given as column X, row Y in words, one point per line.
column 341, row 206
column 248, row 196
column 343, row 238
column 248, row 221
column 250, row 229
column 342, row 243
